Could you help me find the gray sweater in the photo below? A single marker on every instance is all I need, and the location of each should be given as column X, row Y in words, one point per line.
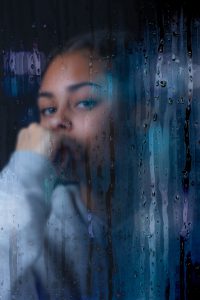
column 51, row 247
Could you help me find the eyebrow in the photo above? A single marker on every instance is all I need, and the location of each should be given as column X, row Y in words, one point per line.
column 76, row 86
column 48, row 95
column 72, row 88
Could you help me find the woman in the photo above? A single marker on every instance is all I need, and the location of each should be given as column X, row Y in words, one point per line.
column 65, row 195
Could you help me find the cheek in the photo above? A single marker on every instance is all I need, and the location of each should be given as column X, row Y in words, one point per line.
column 94, row 128
column 47, row 123
column 43, row 123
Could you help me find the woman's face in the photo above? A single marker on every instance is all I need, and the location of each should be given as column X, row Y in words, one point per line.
column 76, row 96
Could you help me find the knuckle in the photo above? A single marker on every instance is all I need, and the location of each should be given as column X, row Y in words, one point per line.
column 21, row 133
column 33, row 126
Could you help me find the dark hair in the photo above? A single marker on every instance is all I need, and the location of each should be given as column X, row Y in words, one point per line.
column 105, row 45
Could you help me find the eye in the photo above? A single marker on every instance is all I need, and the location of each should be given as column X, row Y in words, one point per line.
column 87, row 104
column 48, row 111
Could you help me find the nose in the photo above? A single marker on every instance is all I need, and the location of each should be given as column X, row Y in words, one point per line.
column 61, row 121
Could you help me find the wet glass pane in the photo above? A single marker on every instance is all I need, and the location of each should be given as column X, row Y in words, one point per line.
column 99, row 156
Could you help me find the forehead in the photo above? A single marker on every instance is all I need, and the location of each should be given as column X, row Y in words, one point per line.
column 74, row 68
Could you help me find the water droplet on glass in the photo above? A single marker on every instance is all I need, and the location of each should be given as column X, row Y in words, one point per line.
column 145, row 125
column 163, row 83
column 181, row 100
column 161, row 46
column 155, row 116
column 173, row 57
column 132, row 147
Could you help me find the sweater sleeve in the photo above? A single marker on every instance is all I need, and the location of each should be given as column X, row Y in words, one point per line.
column 26, row 184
